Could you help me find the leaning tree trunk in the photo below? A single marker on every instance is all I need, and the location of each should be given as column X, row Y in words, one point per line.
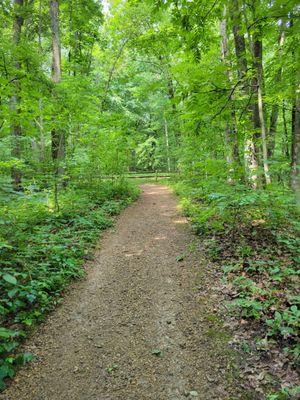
column 16, row 129
column 57, row 135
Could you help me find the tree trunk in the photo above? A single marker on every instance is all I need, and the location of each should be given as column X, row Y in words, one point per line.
column 295, row 151
column 241, row 57
column 40, row 122
column 275, row 107
column 167, row 144
column 259, row 108
column 16, row 129
column 286, row 149
column 231, row 137
column 57, row 136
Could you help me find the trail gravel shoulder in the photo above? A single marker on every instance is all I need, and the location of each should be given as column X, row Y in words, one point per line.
column 141, row 325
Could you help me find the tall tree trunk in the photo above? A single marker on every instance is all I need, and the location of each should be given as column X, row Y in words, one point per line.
column 251, row 159
column 231, row 137
column 57, row 136
column 295, row 164
column 286, row 149
column 171, row 96
column 275, row 107
column 259, row 108
column 295, row 151
column 16, row 129
column 40, row 122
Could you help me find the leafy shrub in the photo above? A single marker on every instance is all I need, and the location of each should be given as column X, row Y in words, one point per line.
column 41, row 251
column 253, row 234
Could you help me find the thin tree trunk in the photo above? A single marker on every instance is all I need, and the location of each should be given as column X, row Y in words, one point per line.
column 171, row 96
column 295, row 151
column 40, row 122
column 286, row 151
column 257, row 56
column 57, row 136
column 112, row 71
column 167, row 144
column 263, row 135
column 231, row 137
column 240, row 51
column 275, row 107
column 16, row 129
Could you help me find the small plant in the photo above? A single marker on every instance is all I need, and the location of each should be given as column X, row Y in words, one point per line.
column 112, row 368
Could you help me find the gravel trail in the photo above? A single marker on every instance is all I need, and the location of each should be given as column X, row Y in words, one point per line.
column 141, row 325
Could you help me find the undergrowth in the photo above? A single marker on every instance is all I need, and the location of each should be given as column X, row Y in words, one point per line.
column 41, row 251
column 253, row 235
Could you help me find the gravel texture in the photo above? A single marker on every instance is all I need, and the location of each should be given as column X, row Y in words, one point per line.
column 141, row 325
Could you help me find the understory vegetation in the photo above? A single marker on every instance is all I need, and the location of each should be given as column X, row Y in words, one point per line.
column 253, row 237
column 42, row 251
column 204, row 92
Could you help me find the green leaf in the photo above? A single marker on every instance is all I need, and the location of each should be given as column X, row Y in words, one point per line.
column 112, row 368
column 10, row 279
column 8, row 333
column 24, row 358
column 157, row 352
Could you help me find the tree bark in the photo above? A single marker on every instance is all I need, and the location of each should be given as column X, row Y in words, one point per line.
column 57, row 136
column 295, row 151
column 231, row 137
column 16, row 128
column 167, row 144
column 251, row 158
column 258, row 110
column 275, row 107
column 286, row 149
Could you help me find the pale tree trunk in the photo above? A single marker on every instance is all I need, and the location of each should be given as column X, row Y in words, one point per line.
column 40, row 122
column 286, row 149
column 231, row 138
column 275, row 107
column 295, row 153
column 167, row 144
column 16, row 129
column 295, row 165
column 257, row 57
column 240, row 51
column 57, row 136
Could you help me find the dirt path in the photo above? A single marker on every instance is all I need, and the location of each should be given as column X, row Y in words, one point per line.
column 137, row 298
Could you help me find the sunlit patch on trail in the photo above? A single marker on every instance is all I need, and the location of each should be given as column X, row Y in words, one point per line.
column 180, row 221
column 160, row 238
column 132, row 254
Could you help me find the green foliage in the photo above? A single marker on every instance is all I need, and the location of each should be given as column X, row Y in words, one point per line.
column 285, row 394
column 41, row 251
column 254, row 235
column 148, row 87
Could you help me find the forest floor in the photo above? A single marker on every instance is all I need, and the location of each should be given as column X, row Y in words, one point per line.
column 143, row 324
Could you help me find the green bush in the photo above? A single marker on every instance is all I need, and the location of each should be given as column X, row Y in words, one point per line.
column 254, row 236
column 42, row 250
